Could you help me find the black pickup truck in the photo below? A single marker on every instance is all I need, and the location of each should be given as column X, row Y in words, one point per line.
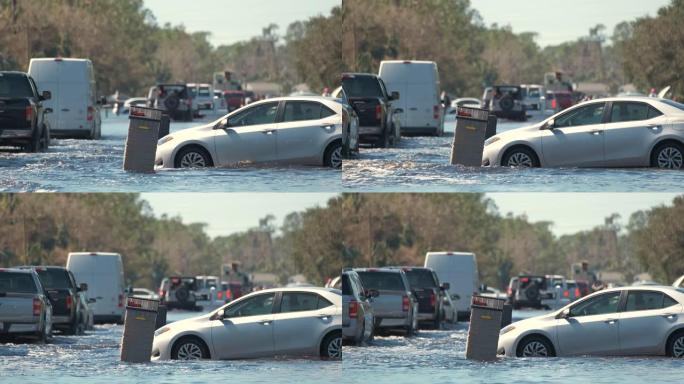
column 23, row 121
column 368, row 96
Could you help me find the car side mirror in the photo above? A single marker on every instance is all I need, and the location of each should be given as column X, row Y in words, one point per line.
column 49, row 110
column 445, row 286
column 550, row 125
column 564, row 314
column 219, row 315
column 395, row 96
column 223, row 124
column 398, row 111
column 47, row 95
column 83, row 287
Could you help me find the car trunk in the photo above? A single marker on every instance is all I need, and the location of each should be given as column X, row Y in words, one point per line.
column 368, row 110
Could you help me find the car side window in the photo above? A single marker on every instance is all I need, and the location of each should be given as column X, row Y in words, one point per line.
column 323, row 303
column 623, row 112
column 257, row 115
column 255, row 306
column 652, row 113
column 302, row 111
column 600, row 305
column 587, row 115
column 298, row 302
column 668, row 301
column 644, row 301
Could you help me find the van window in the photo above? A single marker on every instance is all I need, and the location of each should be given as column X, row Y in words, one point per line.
column 17, row 283
column 389, row 281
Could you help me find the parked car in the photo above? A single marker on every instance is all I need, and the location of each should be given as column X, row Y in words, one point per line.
column 273, row 322
column 104, row 275
column 507, row 102
column 305, row 130
column 573, row 291
column 350, row 125
column 425, row 285
column 367, row 94
column 492, row 292
column 395, row 307
column 179, row 292
column 174, row 99
column 419, row 109
column 23, row 115
column 623, row 321
column 202, row 96
column 230, row 291
column 459, row 270
column 449, row 310
column 65, row 297
column 553, row 294
column 143, row 293
column 462, row 102
column 207, row 286
column 358, row 320
column 219, row 100
column 74, row 102
column 534, row 98
column 525, row 291
column 132, row 102
column 25, row 309
column 614, row 132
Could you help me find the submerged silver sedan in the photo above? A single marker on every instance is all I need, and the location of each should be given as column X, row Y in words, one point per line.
column 287, row 130
column 272, row 322
column 611, row 132
column 643, row 321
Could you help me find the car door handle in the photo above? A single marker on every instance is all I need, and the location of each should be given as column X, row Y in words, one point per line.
column 595, row 133
column 265, row 322
column 611, row 321
column 324, row 317
column 654, row 127
column 66, row 109
column 670, row 316
column 328, row 127
column 268, row 131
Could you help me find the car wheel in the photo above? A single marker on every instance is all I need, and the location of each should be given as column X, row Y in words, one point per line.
column 675, row 346
column 669, row 155
column 520, row 157
column 331, row 348
column 333, row 156
column 384, row 140
column 535, row 346
column 193, row 157
column 35, row 144
column 437, row 324
column 189, row 348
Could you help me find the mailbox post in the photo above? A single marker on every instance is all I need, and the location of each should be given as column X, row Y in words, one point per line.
column 485, row 325
column 139, row 326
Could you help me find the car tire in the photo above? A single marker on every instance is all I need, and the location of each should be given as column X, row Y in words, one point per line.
column 535, row 346
column 35, row 144
column 193, row 157
column 384, row 140
column 520, row 157
column 668, row 155
column 333, row 155
column 189, row 348
column 675, row 345
column 331, row 347
column 437, row 323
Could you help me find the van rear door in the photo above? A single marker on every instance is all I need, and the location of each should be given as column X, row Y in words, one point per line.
column 421, row 106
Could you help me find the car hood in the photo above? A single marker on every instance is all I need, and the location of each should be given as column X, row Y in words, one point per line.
column 192, row 132
column 182, row 325
column 519, row 132
column 532, row 321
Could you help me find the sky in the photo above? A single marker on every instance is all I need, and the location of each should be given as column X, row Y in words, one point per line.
column 237, row 212
column 558, row 21
column 574, row 212
column 231, row 21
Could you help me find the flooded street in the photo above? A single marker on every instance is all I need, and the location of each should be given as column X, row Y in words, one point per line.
column 439, row 357
column 421, row 164
column 97, row 166
column 94, row 358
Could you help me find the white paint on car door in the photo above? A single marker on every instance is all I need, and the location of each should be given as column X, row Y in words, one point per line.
column 577, row 138
column 592, row 329
column 249, row 137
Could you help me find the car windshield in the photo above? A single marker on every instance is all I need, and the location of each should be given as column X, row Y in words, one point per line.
column 379, row 281
column 361, row 86
column 54, row 278
column 420, row 278
column 167, row 90
column 204, row 91
column 674, row 104
column 534, row 92
column 14, row 86
column 17, row 283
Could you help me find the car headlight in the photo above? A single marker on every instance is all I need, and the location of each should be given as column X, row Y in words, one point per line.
column 161, row 331
column 506, row 330
column 492, row 140
column 164, row 140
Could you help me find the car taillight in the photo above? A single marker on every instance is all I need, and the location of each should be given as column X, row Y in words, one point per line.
column 378, row 112
column 353, row 309
column 435, row 112
column 510, row 291
column 566, row 293
column 229, row 295
column 162, row 293
column 554, row 104
column 91, row 113
column 219, row 295
column 578, row 293
column 121, row 301
column 37, row 307
column 69, row 302
column 433, row 300
column 405, row 303
column 29, row 114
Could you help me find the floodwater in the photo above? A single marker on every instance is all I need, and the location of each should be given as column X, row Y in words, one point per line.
column 439, row 357
column 421, row 164
column 97, row 166
column 94, row 358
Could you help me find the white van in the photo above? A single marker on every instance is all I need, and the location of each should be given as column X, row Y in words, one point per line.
column 104, row 274
column 459, row 269
column 74, row 102
column 418, row 84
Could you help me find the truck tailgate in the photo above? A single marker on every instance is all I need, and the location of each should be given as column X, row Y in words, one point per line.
column 13, row 113
column 367, row 110
column 16, row 307
column 389, row 305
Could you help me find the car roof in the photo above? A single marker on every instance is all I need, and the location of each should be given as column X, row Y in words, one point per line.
column 14, row 73
column 383, row 269
column 359, row 74
column 299, row 289
column 40, row 267
column 17, row 270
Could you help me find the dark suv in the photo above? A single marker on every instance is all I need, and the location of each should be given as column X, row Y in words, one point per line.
column 178, row 292
column 367, row 94
column 525, row 291
column 506, row 101
column 23, row 120
column 65, row 296
column 424, row 284
column 175, row 99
